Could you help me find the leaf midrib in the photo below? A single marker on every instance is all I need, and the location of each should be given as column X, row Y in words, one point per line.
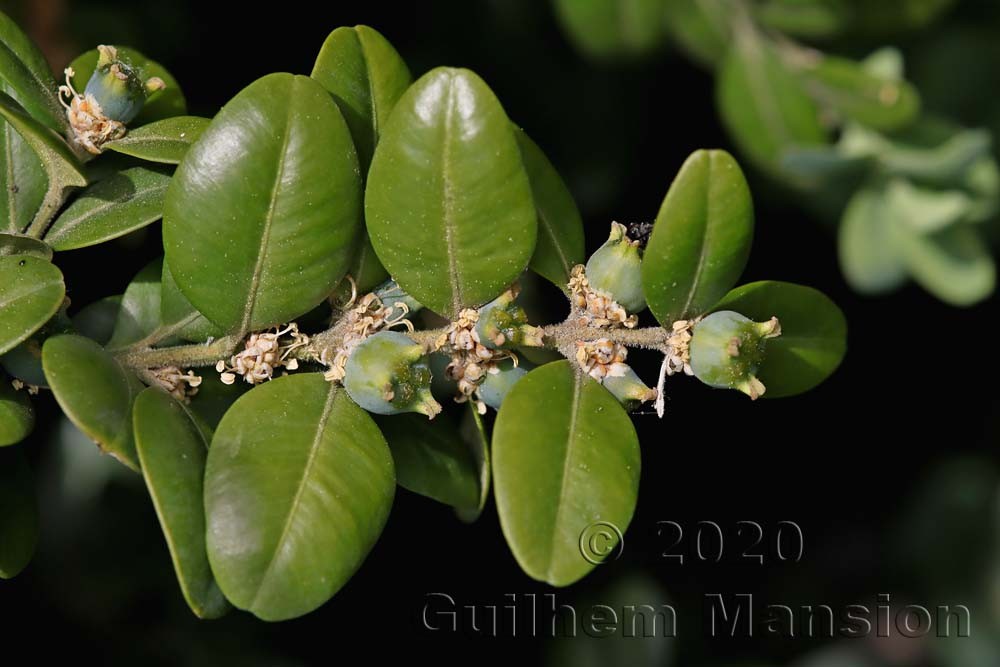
column 454, row 279
column 18, row 295
column 570, row 438
column 703, row 250
column 61, row 231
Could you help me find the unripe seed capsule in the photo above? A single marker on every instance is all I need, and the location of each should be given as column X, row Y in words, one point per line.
column 388, row 374
column 615, row 268
column 115, row 85
column 728, row 348
column 496, row 385
column 502, row 324
column 629, row 389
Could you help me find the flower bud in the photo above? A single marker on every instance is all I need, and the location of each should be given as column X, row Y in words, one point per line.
column 728, row 348
column 499, row 381
column 115, row 85
column 387, row 374
column 628, row 388
column 614, row 269
column 501, row 323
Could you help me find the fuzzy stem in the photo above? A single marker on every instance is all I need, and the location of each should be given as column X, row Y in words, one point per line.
column 51, row 203
column 181, row 356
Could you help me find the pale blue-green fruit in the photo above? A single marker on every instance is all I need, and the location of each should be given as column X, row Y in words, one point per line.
column 388, row 374
column 728, row 348
column 615, row 269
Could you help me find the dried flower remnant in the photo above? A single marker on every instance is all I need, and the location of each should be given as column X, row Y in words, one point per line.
column 263, row 354
column 176, row 382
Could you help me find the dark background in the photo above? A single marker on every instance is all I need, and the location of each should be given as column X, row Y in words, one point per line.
column 889, row 467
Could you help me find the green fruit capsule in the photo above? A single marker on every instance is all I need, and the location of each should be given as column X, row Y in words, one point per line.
column 728, row 348
column 503, row 324
column 388, row 374
column 614, row 269
column 117, row 87
column 496, row 386
column 629, row 389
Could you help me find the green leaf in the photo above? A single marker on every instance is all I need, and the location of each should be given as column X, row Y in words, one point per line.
column 177, row 313
column 18, row 514
column 560, row 230
column 298, row 487
column 869, row 252
column 813, row 334
column 62, row 167
column 17, row 417
column 214, row 398
column 431, row 459
column 701, row 238
column 139, row 310
column 762, row 103
column 953, row 264
column 15, row 244
column 366, row 77
column 473, row 432
column 565, row 458
column 25, row 72
column 701, row 28
column 31, row 291
column 613, row 29
column 173, row 451
column 166, row 103
column 366, row 269
column 112, row 207
column 95, row 392
column 97, row 320
column 925, row 210
column 22, row 179
column 165, row 141
column 882, row 103
column 263, row 213
column 448, row 205
column 811, row 19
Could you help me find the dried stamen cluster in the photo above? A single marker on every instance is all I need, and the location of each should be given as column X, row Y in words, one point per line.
column 602, row 358
column 593, row 307
column 471, row 360
column 360, row 321
column 176, row 382
column 91, row 128
column 264, row 353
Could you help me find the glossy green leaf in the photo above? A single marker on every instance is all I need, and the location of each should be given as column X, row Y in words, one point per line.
column 97, row 320
column 15, row 244
column 26, row 73
column 177, row 313
column 17, row 417
column 112, row 207
column 473, row 433
column 173, row 451
column 298, row 487
column 263, row 213
column 95, row 392
column 431, row 458
column 18, row 514
column 701, row 28
column 613, row 29
column 166, row 103
column 762, row 103
column 560, row 229
column 869, row 252
column 165, row 141
column 63, row 169
column 23, row 181
column 882, row 103
column 139, row 310
column 813, row 334
column 565, row 461
column 448, row 205
column 214, row 398
column 366, row 269
column 31, row 291
column 953, row 264
column 366, row 77
column 701, row 238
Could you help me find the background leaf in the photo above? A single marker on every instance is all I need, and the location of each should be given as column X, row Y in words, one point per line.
column 701, row 238
column 473, row 432
column 166, row 103
column 870, row 256
column 26, row 74
column 97, row 320
column 139, row 309
column 298, row 487
column 560, row 243
column 565, row 456
column 114, row 206
column 953, row 264
column 31, row 291
column 700, row 27
column 165, row 141
column 177, row 312
column 17, row 417
column 613, row 29
column 263, row 212
column 448, row 204
column 172, row 451
column 18, row 514
column 95, row 392
column 813, row 336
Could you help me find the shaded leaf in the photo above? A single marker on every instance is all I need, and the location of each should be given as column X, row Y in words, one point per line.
column 17, row 417
column 953, row 264
column 473, row 433
column 139, row 309
column 613, row 29
column 26, row 73
column 15, row 244
column 97, row 320
column 31, row 291
column 18, row 514
column 177, row 313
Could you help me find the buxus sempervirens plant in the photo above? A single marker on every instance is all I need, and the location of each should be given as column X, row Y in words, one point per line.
column 342, row 258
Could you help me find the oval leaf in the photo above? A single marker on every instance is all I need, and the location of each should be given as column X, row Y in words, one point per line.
column 121, row 203
column 953, row 264
column 94, row 391
column 262, row 214
column 165, row 141
column 139, row 309
column 23, row 181
column 869, row 252
column 298, row 487
column 701, row 238
column 15, row 244
column 61, row 165
column 565, row 457
column 18, row 514
column 17, row 417
column 560, row 244
column 24, row 70
column 31, row 291
column 813, row 336
column 448, row 203
column 177, row 313
column 166, row 103
column 431, row 459
column 172, row 451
